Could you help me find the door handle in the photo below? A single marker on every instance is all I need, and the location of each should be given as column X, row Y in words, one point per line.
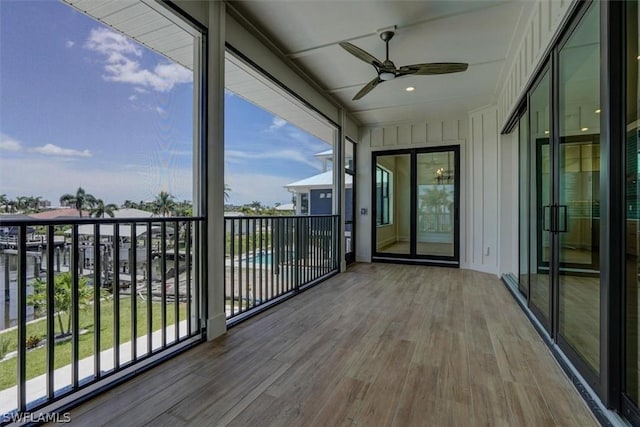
column 544, row 217
column 563, row 218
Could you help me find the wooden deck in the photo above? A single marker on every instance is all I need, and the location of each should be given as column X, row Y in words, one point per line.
column 378, row 345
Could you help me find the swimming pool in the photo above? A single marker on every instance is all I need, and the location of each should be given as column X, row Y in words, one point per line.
column 260, row 258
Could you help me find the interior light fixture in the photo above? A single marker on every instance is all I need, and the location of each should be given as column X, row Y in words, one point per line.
column 546, row 132
column 638, row 57
column 598, row 111
column 386, row 75
column 410, row 89
column 584, row 129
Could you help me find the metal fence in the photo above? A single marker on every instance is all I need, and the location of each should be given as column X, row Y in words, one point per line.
column 86, row 298
column 271, row 257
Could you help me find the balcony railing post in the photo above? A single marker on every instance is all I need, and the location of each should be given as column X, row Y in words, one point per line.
column 50, row 311
column 97, row 287
column 22, row 317
column 75, row 268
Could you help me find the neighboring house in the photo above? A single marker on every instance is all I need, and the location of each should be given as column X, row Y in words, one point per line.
column 314, row 195
column 60, row 213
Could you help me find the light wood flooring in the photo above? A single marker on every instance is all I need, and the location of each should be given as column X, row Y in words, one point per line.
column 379, row 345
column 422, row 248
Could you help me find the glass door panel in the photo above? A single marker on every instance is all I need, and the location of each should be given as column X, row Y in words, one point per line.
column 540, row 200
column 632, row 296
column 435, row 207
column 349, row 200
column 392, row 201
column 578, row 216
column 523, row 202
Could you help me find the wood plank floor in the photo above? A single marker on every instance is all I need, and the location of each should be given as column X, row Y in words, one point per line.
column 379, row 345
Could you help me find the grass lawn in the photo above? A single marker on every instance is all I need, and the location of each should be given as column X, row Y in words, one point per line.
column 37, row 359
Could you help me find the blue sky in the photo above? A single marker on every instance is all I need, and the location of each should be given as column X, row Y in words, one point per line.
column 81, row 105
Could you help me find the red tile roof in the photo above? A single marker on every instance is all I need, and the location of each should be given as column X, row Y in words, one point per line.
column 59, row 213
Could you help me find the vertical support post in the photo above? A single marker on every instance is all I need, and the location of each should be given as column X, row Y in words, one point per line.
column 215, row 239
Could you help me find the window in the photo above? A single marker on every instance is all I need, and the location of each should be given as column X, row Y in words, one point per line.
column 383, row 179
column 304, row 203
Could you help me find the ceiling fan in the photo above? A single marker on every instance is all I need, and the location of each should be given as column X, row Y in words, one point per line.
column 387, row 70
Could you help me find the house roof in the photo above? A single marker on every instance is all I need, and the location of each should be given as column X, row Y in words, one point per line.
column 59, row 214
column 322, row 180
column 132, row 213
column 286, row 207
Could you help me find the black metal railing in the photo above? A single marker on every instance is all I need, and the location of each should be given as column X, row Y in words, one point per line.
column 268, row 258
column 86, row 298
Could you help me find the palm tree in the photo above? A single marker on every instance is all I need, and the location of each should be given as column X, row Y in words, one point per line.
column 4, row 201
column 80, row 200
column 22, row 203
column 100, row 209
column 227, row 192
column 128, row 204
column 164, row 204
column 34, row 203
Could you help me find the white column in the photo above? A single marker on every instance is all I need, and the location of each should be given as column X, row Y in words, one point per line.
column 216, row 318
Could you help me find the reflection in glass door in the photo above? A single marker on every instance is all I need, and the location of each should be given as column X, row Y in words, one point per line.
column 435, row 211
column 392, row 201
column 415, row 203
column 578, row 195
column 540, row 200
column 564, row 197
column 632, row 212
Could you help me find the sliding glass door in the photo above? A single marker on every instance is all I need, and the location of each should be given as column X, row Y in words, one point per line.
column 560, row 197
column 415, row 204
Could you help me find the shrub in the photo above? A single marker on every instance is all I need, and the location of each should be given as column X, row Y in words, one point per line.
column 33, row 341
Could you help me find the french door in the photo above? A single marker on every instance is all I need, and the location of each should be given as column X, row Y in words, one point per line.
column 563, row 155
column 415, row 204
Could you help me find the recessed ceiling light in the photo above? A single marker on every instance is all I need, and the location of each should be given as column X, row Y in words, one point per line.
column 598, row 111
column 410, row 89
column 584, row 129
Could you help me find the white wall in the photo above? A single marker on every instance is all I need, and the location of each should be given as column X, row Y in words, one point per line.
column 483, row 197
column 538, row 31
column 430, row 133
column 508, row 157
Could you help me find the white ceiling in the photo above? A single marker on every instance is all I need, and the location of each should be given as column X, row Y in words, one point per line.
column 143, row 21
column 475, row 31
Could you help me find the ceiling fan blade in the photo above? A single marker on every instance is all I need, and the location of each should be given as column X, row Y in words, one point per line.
column 361, row 54
column 433, row 68
column 367, row 88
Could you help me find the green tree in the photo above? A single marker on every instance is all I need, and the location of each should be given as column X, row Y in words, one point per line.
column 22, row 203
column 227, row 192
column 164, row 204
column 4, row 201
column 81, row 200
column 100, row 209
column 61, row 297
column 128, row 204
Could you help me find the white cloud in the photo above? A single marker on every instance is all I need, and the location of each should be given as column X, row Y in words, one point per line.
column 121, row 64
column 287, row 155
column 54, row 150
column 9, row 144
column 161, row 111
column 133, row 98
column 69, row 44
column 277, row 123
column 140, row 90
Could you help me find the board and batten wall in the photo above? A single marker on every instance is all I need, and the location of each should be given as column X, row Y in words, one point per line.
column 477, row 136
column 539, row 30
